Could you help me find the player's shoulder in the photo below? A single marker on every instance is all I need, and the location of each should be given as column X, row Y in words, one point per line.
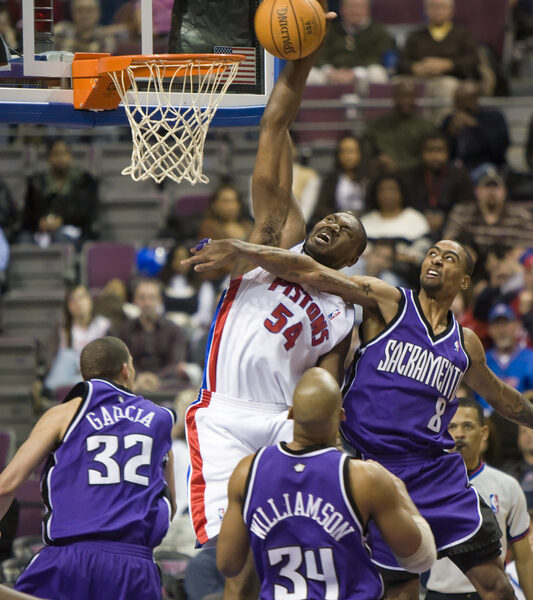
column 472, row 342
column 370, row 472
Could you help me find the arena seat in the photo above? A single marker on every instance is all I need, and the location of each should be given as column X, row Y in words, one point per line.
column 322, row 115
column 32, row 313
column 131, row 219
column 392, row 12
column 34, row 267
column 18, row 360
column 16, row 411
column 103, row 261
column 487, row 20
column 185, row 214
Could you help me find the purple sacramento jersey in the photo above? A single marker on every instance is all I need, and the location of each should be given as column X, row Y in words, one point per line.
column 401, row 395
column 306, row 534
column 398, row 403
column 106, row 479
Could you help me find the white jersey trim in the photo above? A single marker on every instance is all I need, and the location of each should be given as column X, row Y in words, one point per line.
column 347, row 502
column 424, row 324
column 173, row 417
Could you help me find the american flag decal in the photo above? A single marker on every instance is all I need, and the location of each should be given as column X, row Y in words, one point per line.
column 247, row 69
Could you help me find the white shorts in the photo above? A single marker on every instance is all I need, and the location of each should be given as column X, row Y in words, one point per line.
column 220, row 432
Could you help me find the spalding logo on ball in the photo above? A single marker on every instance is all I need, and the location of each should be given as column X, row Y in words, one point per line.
column 290, row 29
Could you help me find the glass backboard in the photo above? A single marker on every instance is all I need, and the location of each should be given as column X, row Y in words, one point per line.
column 36, row 84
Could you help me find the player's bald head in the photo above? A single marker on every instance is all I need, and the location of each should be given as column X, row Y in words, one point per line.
column 317, row 401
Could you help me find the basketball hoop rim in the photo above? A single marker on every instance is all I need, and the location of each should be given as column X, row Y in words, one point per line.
column 110, row 64
column 98, row 79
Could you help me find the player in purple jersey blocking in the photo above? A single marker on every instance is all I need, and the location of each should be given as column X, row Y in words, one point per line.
column 401, row 397
column 108, row 485
column 307, row 526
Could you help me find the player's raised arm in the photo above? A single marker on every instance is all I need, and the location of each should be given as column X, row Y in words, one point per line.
column 507, row 401
column 278, row 217
column 48, row 431
column 300, row 268
column 383, row 497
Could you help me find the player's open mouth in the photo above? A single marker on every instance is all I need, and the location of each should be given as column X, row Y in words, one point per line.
column 324, row 237
column 432, row 273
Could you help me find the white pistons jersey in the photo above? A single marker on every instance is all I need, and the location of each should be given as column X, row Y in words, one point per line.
column 266, row 332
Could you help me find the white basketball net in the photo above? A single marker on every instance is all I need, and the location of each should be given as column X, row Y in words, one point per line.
column 169, row 137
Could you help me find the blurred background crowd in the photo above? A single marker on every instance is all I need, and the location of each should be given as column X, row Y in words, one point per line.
column 419, row 120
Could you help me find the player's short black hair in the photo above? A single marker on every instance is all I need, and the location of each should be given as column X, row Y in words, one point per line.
column 469, row 260
column 103, row 358
column 469, row 403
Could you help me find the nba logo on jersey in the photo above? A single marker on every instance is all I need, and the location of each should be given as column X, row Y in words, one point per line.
column 494, row 503
column 456, row 346
column 334, row 314
column 221, row 512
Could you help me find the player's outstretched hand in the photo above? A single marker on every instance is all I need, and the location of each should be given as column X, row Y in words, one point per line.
column 211, row 254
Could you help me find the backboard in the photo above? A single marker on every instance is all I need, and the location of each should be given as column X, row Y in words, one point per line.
column 36, row 87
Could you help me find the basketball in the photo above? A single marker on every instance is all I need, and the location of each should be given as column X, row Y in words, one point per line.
column 290, row 29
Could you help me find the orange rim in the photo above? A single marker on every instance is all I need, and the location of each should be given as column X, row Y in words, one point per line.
column 91, row 72
column 171, row 62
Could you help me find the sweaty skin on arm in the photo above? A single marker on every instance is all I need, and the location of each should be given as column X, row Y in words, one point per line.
column 507, row 401
column 366, row 291
column 278, row 217
column 48, row 431
column 381, row 496
column 233, row 543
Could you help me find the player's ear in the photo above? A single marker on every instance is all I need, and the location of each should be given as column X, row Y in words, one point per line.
column 124, row 370
column 484, row 433
column 342, row 415
column 465, row 282
column 290, row 414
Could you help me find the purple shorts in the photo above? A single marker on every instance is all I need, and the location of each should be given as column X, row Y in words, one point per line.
column 440, row 489
column 92, row 570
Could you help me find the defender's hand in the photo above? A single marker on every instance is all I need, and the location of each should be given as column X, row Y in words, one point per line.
column 212, row 255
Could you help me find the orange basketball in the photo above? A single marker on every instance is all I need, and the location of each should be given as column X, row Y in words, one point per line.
column 290, row 29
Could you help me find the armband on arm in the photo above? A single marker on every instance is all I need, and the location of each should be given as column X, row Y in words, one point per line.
column 426, row 555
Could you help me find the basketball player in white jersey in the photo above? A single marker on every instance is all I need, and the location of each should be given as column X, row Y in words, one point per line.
column 266, row 332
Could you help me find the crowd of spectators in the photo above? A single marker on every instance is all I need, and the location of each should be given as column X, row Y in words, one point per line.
column 412, row 178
